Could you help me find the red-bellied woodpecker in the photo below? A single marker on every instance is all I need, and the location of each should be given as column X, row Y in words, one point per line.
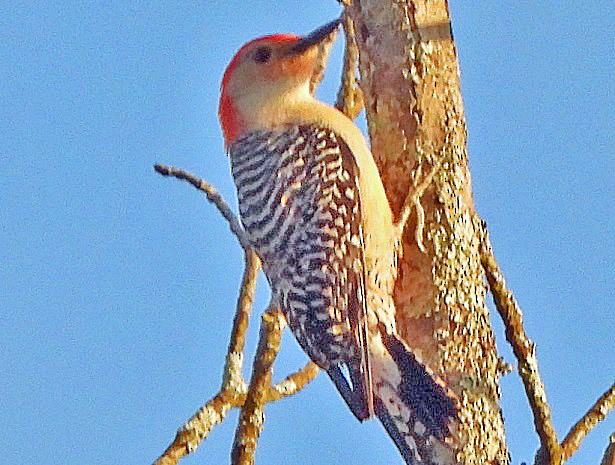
column 315, row 210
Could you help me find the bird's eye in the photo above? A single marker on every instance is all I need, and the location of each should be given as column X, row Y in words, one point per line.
column 262, row 55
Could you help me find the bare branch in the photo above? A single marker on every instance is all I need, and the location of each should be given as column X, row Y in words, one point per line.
column 525, row 352
column 252, row 416
column 293, row 383
column 609, row 454
column 212, row 195
column 594, row 415
column 233, row 377
column 350, row 96
column 324, row 48
column 232, row 394
column 189, row 436
column 196, row 429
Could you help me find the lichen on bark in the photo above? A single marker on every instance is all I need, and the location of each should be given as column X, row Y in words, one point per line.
column 410, row 81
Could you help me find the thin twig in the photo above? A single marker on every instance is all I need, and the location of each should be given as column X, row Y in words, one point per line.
column 551, row 452
column 293, row 383
column 212, row 195
column 232, row 393
column 594, row 415
column 413, row 201
column 252, row 416
column 609, row 454
column 196, row 429
column 349, row 97
column 525, row 352
column 189, row 436
column 324, row 48
column 232, row 377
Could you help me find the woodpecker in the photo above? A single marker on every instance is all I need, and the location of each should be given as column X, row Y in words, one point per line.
column 314, row 209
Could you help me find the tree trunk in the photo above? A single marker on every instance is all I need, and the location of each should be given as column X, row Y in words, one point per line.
column 410, row 81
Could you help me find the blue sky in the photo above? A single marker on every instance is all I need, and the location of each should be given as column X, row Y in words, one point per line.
column 117, row 286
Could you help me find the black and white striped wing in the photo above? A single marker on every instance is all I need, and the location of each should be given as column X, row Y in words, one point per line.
column 299, row 202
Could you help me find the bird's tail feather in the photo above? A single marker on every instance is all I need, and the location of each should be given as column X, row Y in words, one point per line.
column 415, row 407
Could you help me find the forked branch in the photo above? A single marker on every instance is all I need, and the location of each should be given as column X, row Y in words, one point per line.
column 594, row 415
column 233, row 392
column 252, row 413
column 551, row 451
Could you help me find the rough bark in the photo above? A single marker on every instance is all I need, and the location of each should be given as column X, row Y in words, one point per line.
column 410, row 81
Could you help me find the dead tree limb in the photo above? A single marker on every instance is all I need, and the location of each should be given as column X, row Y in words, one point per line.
column 525, row 353
column 609, row 454
column 252, row 413
column 594, row 415
column 212, row 195
column 349, row 97
column 234, row 392
column 551, row 452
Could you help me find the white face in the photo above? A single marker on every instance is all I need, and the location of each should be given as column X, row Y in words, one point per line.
column 265, row 77
column 267, row 69
column 263, row 80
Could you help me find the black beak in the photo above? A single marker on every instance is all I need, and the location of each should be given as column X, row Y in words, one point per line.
column 315, row 37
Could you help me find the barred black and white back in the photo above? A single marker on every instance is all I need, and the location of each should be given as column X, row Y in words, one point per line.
column 300, row 204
